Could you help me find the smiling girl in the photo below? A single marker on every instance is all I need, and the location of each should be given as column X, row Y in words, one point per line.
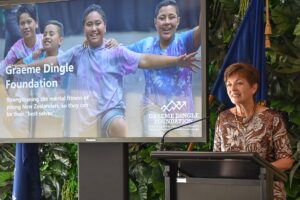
column 30, row 41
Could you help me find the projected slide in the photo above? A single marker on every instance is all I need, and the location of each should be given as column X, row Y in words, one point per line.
column 102, row 71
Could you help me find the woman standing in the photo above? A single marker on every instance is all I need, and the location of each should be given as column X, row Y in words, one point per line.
column 250, row 127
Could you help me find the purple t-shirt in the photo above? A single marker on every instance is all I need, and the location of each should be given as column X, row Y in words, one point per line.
column 99, row 75
column 18, row 51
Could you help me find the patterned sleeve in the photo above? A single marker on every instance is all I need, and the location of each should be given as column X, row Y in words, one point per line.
column 143, row 46
column 68, row 56
column 137, row 46
column 188, row 40
column 10, row 59
column 282, row 146
column 129, row 60
column 217, row 137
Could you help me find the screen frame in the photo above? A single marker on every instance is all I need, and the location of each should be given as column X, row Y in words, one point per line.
column 204, row 93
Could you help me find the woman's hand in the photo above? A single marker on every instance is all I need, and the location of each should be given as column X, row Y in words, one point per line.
column 109, row 43
column 36, row 54
column 112, row 43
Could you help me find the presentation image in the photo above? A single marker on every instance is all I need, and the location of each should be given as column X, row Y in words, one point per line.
column 98, row 71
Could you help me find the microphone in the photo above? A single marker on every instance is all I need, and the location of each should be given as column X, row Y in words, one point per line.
column 162, row 142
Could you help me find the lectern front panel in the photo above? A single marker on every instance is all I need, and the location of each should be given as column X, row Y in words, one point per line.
column 216, row 189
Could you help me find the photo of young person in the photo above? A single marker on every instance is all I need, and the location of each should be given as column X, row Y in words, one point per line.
column 30, row 41
column 170, row 86
column 51, row 111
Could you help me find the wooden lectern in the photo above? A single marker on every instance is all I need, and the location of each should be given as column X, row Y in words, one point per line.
column 217, row 175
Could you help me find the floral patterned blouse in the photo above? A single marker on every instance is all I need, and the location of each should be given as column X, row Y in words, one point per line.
column 264, row 133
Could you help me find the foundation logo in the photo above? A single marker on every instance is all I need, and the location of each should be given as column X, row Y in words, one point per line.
column 178, row 105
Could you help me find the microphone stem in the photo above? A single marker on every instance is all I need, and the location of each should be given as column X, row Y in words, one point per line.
column 177, row 127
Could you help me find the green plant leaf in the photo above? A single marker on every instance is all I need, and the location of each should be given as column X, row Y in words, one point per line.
column 132, row 186
column 297, row 28
column 296, row 118
column 293, row 171
column 5, row 177
column 281, row 16
column 230, row 6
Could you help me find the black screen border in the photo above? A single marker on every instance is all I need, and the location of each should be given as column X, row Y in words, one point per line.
column 204, row 93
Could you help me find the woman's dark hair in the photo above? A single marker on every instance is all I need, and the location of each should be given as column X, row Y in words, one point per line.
column 30, row 9
column 92, row 8
column 249, row 72
column 166, row 3
column 59, row 25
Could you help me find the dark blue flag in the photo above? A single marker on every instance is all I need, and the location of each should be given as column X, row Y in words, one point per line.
column 26, row 184
column 248, row 46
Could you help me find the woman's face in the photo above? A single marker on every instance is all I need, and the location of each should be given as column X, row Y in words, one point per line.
column 27, row 26
column 51, row 39
column 166, row 22
column 239, row 90
column 94, row 29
